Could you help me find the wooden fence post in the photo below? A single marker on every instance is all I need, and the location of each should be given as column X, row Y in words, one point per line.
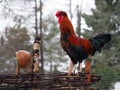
column 88, row 75
column 35, row 58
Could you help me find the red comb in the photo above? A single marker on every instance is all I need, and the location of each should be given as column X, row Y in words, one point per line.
column 58, row 13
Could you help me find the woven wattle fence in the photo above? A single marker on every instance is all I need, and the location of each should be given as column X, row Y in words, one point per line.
column 58, row 81
column 54, row 81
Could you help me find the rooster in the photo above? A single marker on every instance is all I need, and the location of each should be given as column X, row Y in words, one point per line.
column 78, row 48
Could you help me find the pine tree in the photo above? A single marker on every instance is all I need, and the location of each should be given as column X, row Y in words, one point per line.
column 105, row 18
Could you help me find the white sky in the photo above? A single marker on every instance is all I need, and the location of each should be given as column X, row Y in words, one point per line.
column 49, row 7
column 117, row 86
column 53, row 5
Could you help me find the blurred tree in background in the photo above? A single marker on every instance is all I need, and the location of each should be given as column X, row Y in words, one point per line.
column 106, row 18
column 21, row 35
column 15, row 38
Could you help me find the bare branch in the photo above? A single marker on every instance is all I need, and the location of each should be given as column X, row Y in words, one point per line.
column 1, row 1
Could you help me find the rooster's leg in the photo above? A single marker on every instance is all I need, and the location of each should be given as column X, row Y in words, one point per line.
column 17, row 70
column 71, row 65
column 80, row 68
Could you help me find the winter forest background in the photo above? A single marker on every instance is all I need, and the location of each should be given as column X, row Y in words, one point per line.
column 21, row 20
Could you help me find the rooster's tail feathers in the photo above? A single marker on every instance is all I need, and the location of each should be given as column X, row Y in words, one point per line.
column 99, row 40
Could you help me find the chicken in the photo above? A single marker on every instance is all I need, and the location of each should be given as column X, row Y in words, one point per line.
column 78, row 48
column 24, row 61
